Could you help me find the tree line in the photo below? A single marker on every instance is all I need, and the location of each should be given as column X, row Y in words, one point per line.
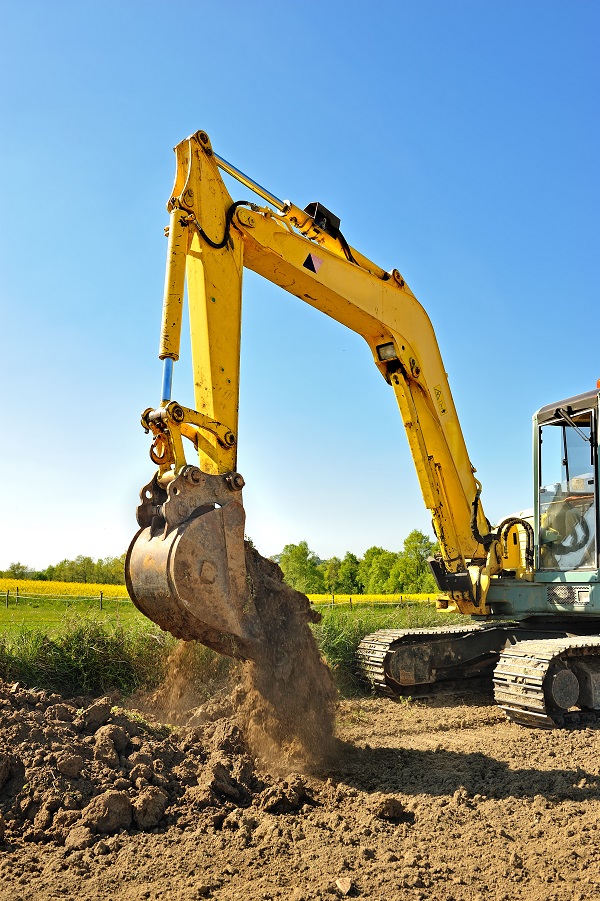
column 107, row 571
column 378, row 571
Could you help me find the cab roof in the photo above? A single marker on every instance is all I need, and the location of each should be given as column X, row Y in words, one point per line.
column 570, row 405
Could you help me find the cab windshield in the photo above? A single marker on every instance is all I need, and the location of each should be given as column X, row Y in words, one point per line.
column 567, row 492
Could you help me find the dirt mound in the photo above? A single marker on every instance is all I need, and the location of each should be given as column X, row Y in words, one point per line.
column 441, row 800
column 70, row 775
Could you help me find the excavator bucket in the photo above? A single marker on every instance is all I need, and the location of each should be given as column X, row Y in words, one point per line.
column 186, row 569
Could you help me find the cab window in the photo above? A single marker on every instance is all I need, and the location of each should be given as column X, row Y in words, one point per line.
column 567, row 492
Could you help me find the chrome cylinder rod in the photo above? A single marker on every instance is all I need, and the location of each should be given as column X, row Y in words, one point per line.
column 167, row 379
column 280, row 205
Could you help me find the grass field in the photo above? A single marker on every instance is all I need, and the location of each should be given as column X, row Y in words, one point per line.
column 78, row 638
column 64, row 637
column 56, row 605
column 56, row 613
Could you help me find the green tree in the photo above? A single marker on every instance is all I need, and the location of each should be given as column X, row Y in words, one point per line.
column 59, row 572
column 38, row 576
column 17, row 571
column 331, row 572
column 375, row 568
column 110, row 571
column 365, row 564
column 81, row 569
column 412, row 571
column 395, row 582
column 300, row 567
column 348, row 575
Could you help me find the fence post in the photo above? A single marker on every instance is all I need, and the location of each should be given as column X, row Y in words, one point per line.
column 7, row 594
column 350, row 600
column 17, row 601
column 101, row 600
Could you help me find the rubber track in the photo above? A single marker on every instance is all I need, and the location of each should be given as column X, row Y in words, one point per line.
column 520, row 677
column 374, row 649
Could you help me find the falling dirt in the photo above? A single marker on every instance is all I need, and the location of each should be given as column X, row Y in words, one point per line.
column 285, row 699
column 288, row 697
column 192, row 675
column 285, row 702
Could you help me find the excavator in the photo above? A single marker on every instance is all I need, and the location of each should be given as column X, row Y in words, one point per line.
column 528, row 587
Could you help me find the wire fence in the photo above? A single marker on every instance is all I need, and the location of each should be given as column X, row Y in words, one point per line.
column 28, row 609
column 16, row 597
column 369, row 600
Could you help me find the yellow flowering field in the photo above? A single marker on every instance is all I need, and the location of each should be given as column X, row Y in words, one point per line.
column 92, row 590
column 61, row 589
column 370, row 598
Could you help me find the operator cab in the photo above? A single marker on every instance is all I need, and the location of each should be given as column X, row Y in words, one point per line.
column 566, row 502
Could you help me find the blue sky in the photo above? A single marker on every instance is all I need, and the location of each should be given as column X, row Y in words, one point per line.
column 457, row 141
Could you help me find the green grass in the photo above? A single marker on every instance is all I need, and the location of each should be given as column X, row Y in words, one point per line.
column 72, row 646
column 56, row 613
column 341, row 630
column 85, row 657
column 68, row 644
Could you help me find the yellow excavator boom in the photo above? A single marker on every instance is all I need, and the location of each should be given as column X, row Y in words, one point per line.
column 185, row 568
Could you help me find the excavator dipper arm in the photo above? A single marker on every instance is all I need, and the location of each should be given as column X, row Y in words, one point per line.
column 185, row 567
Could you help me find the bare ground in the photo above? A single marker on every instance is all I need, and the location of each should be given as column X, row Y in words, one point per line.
column 441, row 799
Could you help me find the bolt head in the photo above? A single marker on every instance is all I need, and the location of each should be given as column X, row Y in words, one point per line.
column 235, row 481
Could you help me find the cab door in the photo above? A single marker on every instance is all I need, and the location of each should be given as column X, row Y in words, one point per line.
column 567, row 492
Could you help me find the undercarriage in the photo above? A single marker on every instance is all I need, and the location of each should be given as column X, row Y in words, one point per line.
column 544, row 675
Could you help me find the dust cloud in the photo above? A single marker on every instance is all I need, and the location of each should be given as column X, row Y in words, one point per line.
column 284, row 700
column 186, row 685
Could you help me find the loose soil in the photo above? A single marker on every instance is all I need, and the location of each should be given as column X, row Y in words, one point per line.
column 288, row 698
column 438, row 799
